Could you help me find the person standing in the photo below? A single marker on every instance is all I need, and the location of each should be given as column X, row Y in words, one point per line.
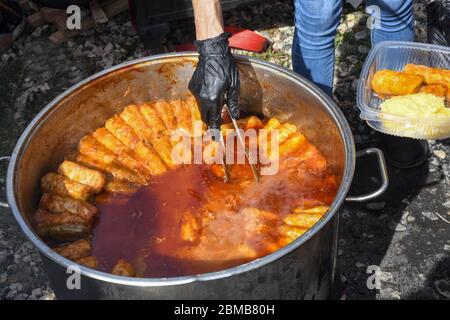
column 216, row 79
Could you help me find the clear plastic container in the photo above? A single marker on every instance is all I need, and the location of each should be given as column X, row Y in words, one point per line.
column 394, row 55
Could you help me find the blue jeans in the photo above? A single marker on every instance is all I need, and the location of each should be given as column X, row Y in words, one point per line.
column 316, row 22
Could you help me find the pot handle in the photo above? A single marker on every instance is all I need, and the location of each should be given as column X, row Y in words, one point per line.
column 4, row 204
column 383, row 173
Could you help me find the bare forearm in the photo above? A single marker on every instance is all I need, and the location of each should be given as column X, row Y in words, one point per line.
column 208, row 18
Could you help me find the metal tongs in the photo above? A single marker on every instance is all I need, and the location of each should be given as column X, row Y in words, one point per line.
column 249, row 157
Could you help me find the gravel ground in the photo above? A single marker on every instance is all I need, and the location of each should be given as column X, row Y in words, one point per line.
column 400, row 233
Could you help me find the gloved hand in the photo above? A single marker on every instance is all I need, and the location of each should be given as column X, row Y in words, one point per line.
column 215, row 80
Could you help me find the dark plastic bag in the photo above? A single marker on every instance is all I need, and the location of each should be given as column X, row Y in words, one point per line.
column 439, row 22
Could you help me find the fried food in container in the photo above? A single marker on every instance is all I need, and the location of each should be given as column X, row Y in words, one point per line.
column 75, row 250
column 302, row 220
column 285, row 131
column 292, row 144
column 58, row 204
column 132, row 117
column 429, row 74
column 434, row 89
column 108, row 149
column 316, row 210
column 147, row 133
column 83, row 175
column 109, row 141
column 90, row 147
column 149, row 159
column 389, row 82
column 289, row 234
column 166, row 114
column 196, row 117
column 55, row 183
column 182, row 115
column 112, row 170
column 64, row 226
column 118, row 128
column 251, row 122
column 118, row 186
column 152, row 119
column 273, row 123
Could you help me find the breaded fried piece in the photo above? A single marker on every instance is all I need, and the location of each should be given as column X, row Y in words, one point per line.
column 163, row 147
column 113, row 170
column 55, row 183
column 161, row 144
column 108, row 140
column 284, row 132
column 251, row 122
column 90, row 162
column 64, row 226
column 76, row 172
column 434, row 89
column 430, row 75
column 190, row 227
column 273, row 123
column 90, row 147
column 57, row 204
column 122, row 132
column 389, row 82
column 196, row 118
column 166, row 113
column 264, row 136
column 109, row 149
column 149, row 159
column 75, row 250
column 89, row 261
column 302, row 220
column 192, row 105
column 123, row 268
column 182, row 115
column 144, row 154
column 132, row 117
column 152, row 120
column 293, row 144
column 317, row 210
column 289, row 234
column 117, row 186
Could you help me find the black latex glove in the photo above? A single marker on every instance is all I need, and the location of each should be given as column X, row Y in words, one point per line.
column 215, row 80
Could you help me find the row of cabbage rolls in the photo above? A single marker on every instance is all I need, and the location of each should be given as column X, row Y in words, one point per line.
column 134, row 146
column 125, row 154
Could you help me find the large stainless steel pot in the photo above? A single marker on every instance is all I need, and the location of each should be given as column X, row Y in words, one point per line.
column 303, row 269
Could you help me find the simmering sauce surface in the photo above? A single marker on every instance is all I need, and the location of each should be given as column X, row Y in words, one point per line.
column 144, row 228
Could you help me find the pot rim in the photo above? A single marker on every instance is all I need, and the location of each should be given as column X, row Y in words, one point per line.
column 43, row 248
